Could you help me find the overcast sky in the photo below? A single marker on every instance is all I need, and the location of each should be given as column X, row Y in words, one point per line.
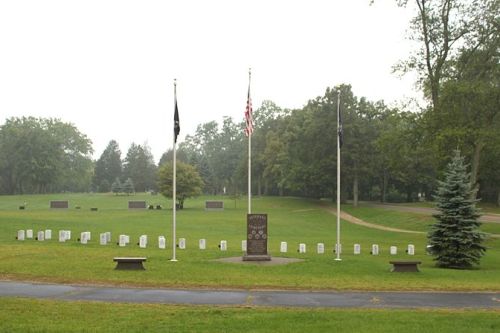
column 108, row 66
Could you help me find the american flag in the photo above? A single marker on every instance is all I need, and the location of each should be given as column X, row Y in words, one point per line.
column 248, row 115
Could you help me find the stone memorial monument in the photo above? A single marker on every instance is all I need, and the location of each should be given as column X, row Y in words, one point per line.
column 41, row 236
column 411, row 249
column 143, row 241
column 20, row 235
column 48, row 234
column 202, row 244
column 321, row 248
column 393, row 250
column 182, row 243
column 375, row 249
column 223, row 245
column 162, row 242
column 103, row 240
column 357, row 249
column 29, row 234
column 256, row 238
column 302, row 248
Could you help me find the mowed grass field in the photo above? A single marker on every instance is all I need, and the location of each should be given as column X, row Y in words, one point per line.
column 293, row 220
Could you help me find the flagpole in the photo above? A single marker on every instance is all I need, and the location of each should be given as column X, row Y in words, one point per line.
column 338, row 178
column 249, row 154
column 174, row 237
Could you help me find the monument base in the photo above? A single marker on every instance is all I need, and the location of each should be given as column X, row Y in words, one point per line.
column 256, row 257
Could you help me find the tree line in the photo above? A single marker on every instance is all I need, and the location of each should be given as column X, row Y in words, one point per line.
column 389, row 154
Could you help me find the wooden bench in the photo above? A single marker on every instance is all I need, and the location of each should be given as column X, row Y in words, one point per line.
column 129, row 263
column 405, row 266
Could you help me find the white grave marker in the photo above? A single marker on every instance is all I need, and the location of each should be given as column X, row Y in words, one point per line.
column 321, row 248
column 302, row 248
column 103, row 240
column 143, row 241
column 283, row 247
column 127, row 239
column 162, row 242
column 223, row 245
column 20, row 235
column 67, row 234
column 411, row 249
column 83, row 237
column 48, row 234
column 375, row 249
column 29, row 234
column 108, row 237
column 202, row 244
column 393, row 250
column 244, row 245
column 41, row 236
column 357, row 249
column 338, row 248
column 62, row 236
column 182, row 243
column 122, row 240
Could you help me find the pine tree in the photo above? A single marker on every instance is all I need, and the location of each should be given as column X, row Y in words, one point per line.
column 128, row 186
column 455, row 238
column 117, row 186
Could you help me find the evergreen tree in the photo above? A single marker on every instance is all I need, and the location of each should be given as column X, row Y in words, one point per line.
column 128, row 186
column 117, row 186
column 455, row 238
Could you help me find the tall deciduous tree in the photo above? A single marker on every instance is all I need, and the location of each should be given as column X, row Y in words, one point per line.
column 455, row 239
column 188, row 182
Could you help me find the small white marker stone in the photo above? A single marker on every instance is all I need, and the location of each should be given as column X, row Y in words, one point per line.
column 162, row 242
column 108, row 237
column 302, row 248
column 83, row 237
column 29, row 234
column 48, row 234
column 103, row 240
column 244, row 245
column 375, row 249
column 357, row 249
column 62, row 236
column 182, row 243
column 143, row 241
column 202, row 244
column 20, row 235
column 223, row 245
column 411, row 249
column 321, row 248
column 41, row 236
column 283, row 247
column 122, row 240
column 393, row 250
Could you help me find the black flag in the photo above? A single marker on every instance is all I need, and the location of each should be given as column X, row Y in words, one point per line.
column 177, row 127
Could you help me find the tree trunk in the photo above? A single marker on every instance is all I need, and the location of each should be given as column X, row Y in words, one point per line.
column 385, row 181
column 355, row 190
column 475, row 169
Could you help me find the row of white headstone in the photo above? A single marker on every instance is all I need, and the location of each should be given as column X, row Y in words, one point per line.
column 124, row 240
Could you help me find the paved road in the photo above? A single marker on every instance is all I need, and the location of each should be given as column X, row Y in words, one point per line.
column 253, row 298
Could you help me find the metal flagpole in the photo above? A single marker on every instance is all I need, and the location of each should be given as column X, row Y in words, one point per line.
column 249, row 150
column 338, row 178
column 174, row 239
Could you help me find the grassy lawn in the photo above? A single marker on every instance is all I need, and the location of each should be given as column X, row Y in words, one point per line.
column 290, row 219
column 25, row 315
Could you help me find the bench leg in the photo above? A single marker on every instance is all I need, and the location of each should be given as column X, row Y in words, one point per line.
column 405, row 268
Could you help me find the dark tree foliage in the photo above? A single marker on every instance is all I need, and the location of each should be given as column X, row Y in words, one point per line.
column 455, row 239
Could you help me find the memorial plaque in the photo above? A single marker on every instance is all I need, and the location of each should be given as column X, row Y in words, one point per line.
column 41, row 236
column 103, row 240
column 59, row 204
column 244, row 245
column 375, row 249
column 411, row 249
column 20, row 235
column 302, row 248
column 214, row 205
column 29, row 234
column 223, row 245
column 320, row 248
column 357, row 249
column 393, row 250
column 283, row 247
column 256, row 238
column 162, row 242
column 48, row 234
column 137, row 204
column 182, row 243
column 143, row 241
column 202, row 244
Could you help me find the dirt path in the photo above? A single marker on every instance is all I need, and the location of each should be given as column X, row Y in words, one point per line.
column 355, row 220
